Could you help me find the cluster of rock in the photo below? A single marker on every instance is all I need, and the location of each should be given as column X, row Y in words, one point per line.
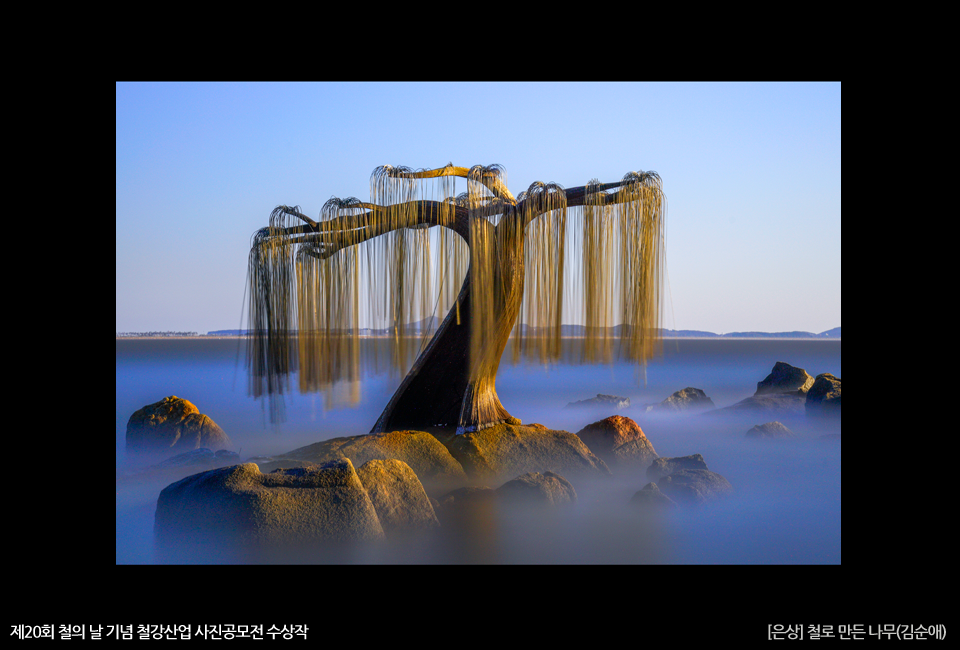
column 789, row 390
column 374, row 486
column 370, row 487
column 688, row 399
column 313, row 495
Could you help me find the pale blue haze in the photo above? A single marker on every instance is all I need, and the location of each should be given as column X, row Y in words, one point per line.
column 751, row 172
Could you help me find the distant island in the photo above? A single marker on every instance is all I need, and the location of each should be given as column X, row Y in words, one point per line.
column 572, row 331
column 678, row 334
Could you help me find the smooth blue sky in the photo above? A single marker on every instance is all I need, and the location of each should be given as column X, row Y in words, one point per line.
column 751, row 172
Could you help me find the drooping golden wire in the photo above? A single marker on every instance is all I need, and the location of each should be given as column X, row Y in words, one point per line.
column 599, row 279
column 545, row 283
column 328, row 304
column 271, row 310
column 416, row 279
column 641, row 207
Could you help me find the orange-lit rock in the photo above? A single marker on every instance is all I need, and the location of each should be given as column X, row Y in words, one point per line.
column 173, row 424
column 618, row 440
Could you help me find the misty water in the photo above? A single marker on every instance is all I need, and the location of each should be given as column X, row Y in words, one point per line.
column 785, row 507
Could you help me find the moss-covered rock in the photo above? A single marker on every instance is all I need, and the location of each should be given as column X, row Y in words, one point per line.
column 430, row 460
column 397, row 496
column 505, row 451
column 241, row 507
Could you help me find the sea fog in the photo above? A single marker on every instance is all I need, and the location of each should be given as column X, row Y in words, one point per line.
column 785, row 508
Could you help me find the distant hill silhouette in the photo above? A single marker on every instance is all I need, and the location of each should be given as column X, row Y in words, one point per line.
column 829, row 334
column 578, row 330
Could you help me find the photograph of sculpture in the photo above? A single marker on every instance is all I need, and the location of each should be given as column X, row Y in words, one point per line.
column 562, row 324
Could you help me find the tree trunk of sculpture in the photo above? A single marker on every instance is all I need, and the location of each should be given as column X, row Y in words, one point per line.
column 448, row 386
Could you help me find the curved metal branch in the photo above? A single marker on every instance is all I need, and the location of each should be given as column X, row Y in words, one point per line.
column 293, row 212
column 489, row 176
column 328, row 235
column 534, row 206
column 370, row 224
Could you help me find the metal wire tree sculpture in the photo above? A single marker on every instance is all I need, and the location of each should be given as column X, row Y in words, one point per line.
column 497, row 265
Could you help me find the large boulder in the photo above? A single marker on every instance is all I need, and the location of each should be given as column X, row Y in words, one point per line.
column 504, row 451
column 782, row 393
column 240, row 507
column 618, row 440
column 694, row 486
column 173, row 424
column 666, row 466
column 397, row 496
column 823, row 398
column 785, row 378
column 770, row 430
column 688, row 399
column 433, row 464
